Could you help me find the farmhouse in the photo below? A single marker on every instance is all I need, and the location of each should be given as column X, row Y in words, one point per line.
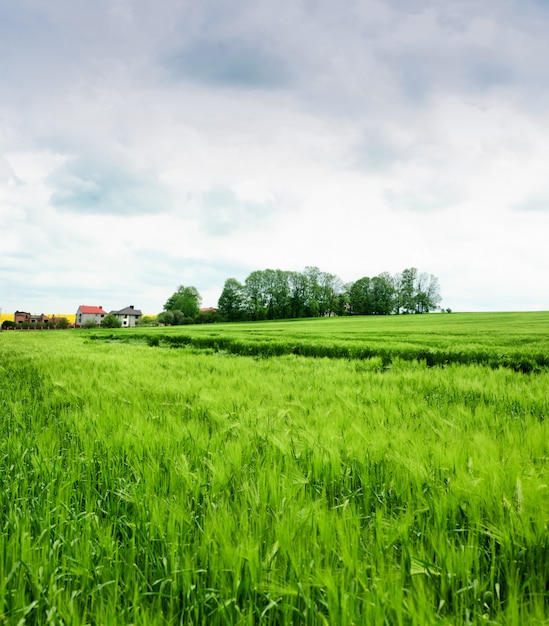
column 89, row 314
column 129, row 316
column 22, row 317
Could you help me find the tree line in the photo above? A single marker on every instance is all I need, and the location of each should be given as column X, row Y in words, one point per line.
column 279, row 294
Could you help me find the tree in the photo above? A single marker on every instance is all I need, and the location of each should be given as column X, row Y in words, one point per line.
column 165, row 318
column 178, row 317
column 313, row 291
column 360, row 297
column 62, row 322
column 279, row 294
column 372, row 296
column 256, row 298
column 298, row 289
column 277, row 290
column 407, row 292
column 231, row 301
column 416, row 292
column 330, row 289
column 383, row 294
column 427, row 293
column 110, row 321
column 185, row 299
column 209, row 316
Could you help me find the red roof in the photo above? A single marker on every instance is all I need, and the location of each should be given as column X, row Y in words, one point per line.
column 92, row 310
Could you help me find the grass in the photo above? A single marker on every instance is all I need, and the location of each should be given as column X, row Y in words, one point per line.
column 518, row 341
column 147, row 485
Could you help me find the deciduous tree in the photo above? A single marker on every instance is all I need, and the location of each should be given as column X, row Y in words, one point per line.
column 231, row 301
column 62, row 322
column 427, row 293
column 360, row 297
column 185, row 299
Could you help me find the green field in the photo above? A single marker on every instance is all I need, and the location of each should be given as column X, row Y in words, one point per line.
column 381, row 470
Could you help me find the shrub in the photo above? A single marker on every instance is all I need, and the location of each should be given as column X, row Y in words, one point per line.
column 110, row 321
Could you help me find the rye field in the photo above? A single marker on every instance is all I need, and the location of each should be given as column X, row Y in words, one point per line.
column 374, row 470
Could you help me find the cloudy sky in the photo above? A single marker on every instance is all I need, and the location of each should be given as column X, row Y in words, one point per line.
column 148, row 144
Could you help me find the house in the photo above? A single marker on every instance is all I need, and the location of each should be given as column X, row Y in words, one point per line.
column 129, row 316
column 22, row 317
column 89, row 314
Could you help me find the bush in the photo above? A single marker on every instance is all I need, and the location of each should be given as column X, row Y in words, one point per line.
column 62, row 322
column 165, row 318
column 110, row 321
column 207, row 317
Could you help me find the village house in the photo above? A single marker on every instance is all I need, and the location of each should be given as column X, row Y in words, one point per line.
column 22, row 317
column 129, row 317
column 89, row 314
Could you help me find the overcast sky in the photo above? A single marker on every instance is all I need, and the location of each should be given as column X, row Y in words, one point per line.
column 148, row 144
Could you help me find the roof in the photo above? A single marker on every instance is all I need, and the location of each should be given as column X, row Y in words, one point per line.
column 129, row 310
column 91, row 310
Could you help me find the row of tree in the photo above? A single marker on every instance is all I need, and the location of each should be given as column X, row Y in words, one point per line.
column 279, row 294
column 408, row 291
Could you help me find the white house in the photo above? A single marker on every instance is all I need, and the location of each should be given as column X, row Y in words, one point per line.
column 129, row 316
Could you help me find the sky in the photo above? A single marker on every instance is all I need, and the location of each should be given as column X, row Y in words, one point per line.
column 150, row 144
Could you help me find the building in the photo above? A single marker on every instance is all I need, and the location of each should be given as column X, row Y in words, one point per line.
column 129, row 317
column 89, row 314
column 22, row 317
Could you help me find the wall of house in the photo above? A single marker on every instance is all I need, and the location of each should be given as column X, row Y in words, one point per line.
column 82, row 318
column 128, row 321
column 20, row 317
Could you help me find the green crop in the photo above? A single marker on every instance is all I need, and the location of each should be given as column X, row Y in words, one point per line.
column 519, row 341
column 141, row 484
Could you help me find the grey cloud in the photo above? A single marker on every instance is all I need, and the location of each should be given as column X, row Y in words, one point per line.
column 230, row 63
column 374, row 152
column 222, row 212
column 160, row 267
column 370, row 61
column 102, row 186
